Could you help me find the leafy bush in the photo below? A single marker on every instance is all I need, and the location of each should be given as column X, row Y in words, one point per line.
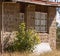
column 25, row 39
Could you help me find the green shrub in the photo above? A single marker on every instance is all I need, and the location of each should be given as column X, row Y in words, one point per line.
column 25, row 39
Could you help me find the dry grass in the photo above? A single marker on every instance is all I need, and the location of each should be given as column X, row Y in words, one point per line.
column 18, row 54
column 53, row 53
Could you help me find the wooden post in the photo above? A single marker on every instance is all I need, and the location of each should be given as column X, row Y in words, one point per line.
column 30, row 14
column 0, row 23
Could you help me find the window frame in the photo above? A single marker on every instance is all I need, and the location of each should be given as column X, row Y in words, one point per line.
column 45, row 31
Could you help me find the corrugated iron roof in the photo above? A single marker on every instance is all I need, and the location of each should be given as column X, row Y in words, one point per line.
column 47, row 3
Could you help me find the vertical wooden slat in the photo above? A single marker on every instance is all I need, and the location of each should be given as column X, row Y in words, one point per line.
column 30, row 14
column 0, row 23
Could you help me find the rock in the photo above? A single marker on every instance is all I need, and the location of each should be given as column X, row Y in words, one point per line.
column 42, row 48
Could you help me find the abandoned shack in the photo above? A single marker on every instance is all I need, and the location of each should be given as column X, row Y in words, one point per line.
column 40, row 15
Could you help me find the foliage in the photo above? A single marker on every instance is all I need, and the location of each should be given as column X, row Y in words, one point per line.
column 58, row 31
column 25, row 39
column 58, row 36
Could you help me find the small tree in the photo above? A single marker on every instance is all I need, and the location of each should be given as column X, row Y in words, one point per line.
column 25, row 39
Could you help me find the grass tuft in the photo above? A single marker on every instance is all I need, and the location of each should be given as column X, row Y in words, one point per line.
column 53, row 53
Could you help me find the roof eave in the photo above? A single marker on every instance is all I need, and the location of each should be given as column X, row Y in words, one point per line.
column 41, row 3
